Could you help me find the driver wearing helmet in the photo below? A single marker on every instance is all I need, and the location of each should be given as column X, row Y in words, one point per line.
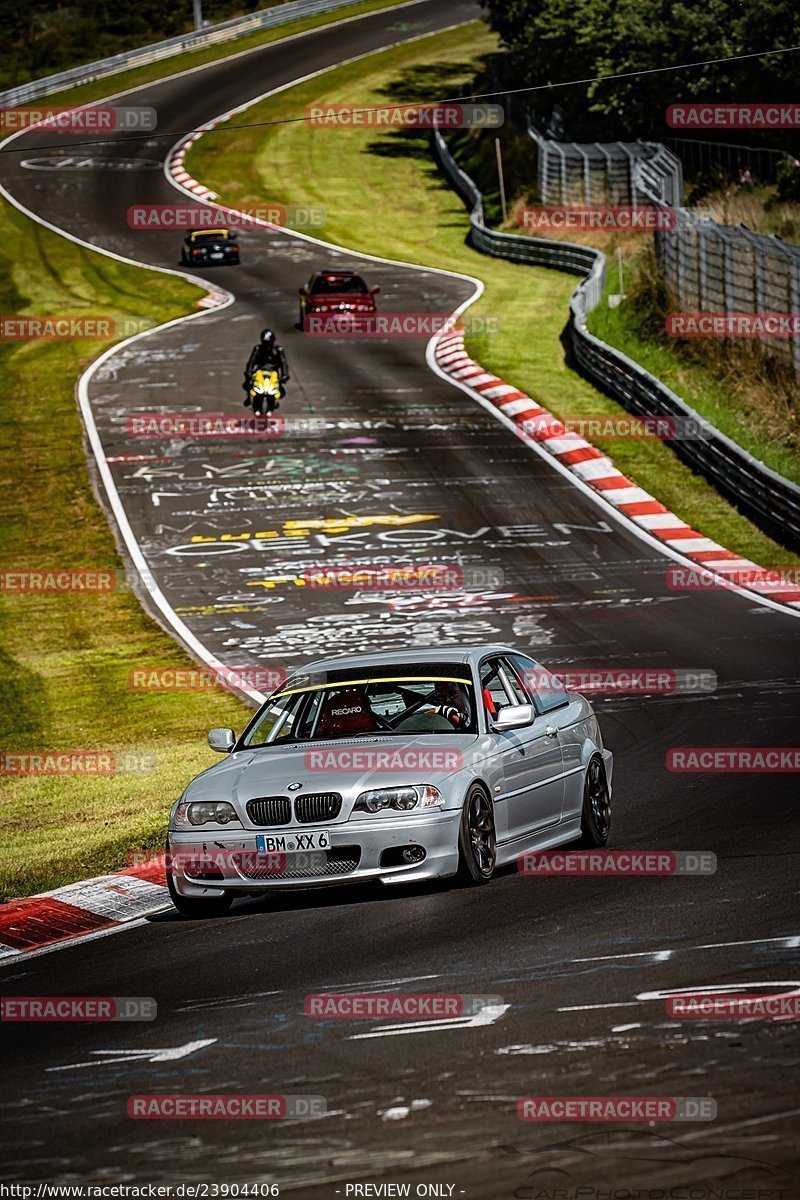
column 266, row 355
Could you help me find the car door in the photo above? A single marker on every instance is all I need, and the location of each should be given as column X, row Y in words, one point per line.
column 533, row 788
column 562, row 710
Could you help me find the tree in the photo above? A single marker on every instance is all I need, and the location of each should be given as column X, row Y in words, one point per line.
column 558, row 41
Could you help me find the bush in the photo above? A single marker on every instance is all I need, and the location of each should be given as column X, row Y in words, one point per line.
column 788, row 179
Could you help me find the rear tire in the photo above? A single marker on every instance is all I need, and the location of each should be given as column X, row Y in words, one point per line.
column 477, row 840
column 596, row 811
column 195, row 906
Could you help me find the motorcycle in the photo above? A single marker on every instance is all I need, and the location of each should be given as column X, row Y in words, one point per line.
column 264, row 392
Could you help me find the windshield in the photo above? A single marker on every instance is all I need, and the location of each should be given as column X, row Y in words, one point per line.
column 338, row 283
column 394, row 703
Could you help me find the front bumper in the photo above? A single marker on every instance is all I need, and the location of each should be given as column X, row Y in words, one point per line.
column 203, row 864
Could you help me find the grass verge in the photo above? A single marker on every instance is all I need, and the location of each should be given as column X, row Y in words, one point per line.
column 734, row 387
column 384, row 196
column 65, row 659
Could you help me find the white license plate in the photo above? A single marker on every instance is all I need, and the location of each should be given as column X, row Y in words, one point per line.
column 218, row 255
column 292, row 843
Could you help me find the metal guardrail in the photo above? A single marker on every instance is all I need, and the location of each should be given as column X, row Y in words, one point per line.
column 237, row 27
column 768, row 499
column 538, row 252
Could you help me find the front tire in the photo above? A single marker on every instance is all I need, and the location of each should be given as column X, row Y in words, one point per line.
column 477, row 840
column 195, row 906
column 596, row 811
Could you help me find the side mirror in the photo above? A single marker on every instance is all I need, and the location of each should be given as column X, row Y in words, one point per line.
column 221, row 740
column 513, row 716
column 373, row 290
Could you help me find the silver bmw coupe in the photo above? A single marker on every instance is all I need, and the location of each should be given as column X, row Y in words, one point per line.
column 397, row 767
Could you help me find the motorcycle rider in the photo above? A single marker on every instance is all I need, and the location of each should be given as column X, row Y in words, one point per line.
column 266, row 355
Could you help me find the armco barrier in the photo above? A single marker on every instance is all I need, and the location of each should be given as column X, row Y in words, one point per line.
column 768, row 499
column 226, row 31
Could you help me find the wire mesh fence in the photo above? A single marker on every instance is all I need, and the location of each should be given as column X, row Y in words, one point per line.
column 709, row 267
column 729, row 160
column 602, row 173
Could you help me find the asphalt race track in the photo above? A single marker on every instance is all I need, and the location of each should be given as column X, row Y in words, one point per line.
column 406, row 465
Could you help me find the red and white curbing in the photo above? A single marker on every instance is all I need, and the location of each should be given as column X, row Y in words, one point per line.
column 178, row 171
column 91, row 906
column 598, row 471
column 175, row 170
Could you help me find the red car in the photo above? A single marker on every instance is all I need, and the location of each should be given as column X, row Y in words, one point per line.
column 336, row 292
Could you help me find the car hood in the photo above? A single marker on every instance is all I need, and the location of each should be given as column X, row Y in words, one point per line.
column 343, row 765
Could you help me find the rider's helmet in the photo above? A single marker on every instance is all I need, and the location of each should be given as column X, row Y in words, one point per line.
column 267, row 338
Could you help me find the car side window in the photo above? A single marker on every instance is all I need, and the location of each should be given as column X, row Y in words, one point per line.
column 542, row 686
column 493, row 690
column 513, row 682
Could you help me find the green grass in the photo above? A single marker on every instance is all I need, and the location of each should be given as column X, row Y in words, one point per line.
column 183, row 61
column 742, row 405
column 66, row 658
column 384, row 195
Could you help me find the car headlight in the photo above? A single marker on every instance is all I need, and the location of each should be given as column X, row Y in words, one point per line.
column 322, row 308
column 401, row 799
column 213, row 812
